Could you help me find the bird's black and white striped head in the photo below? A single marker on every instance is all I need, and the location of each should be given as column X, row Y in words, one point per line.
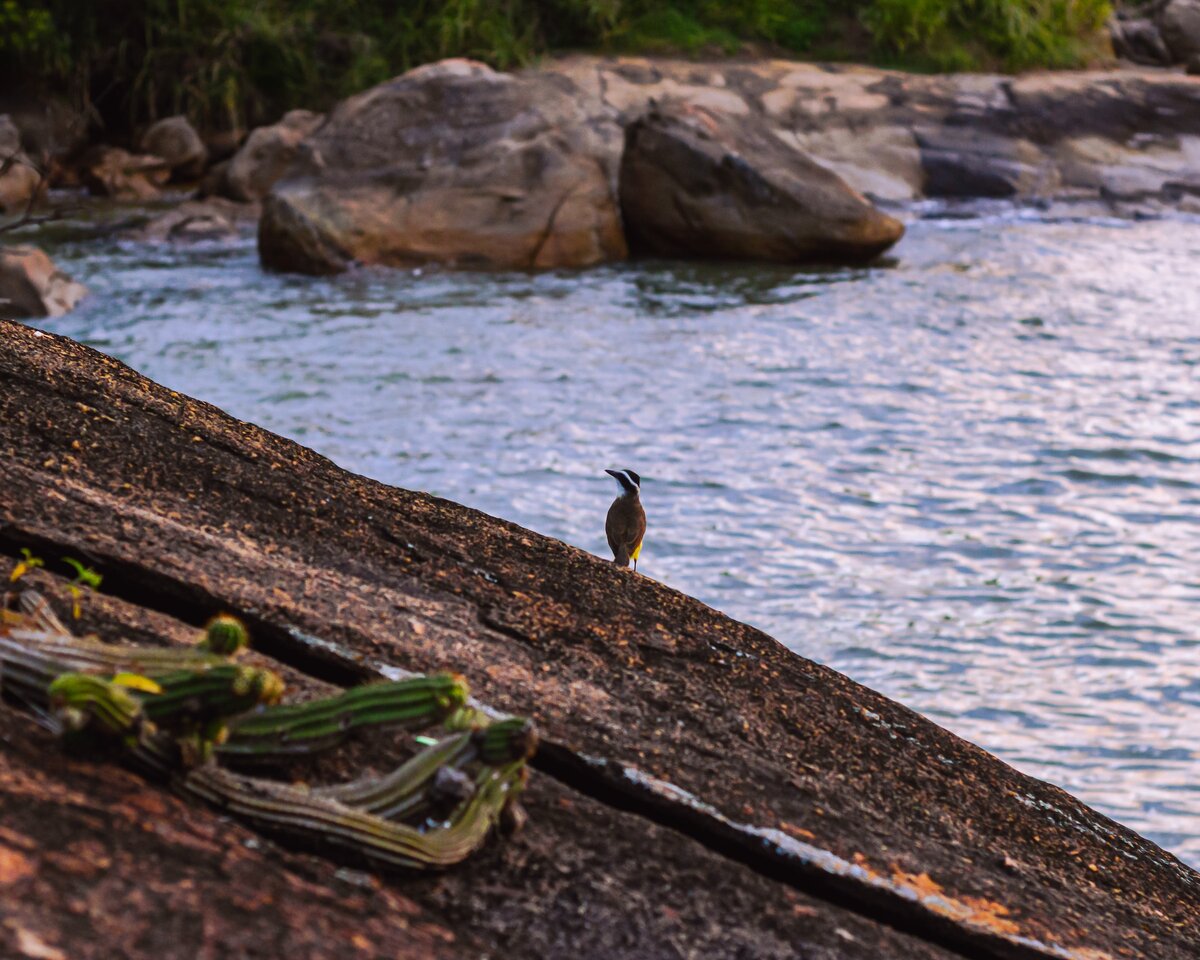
column 629, row 482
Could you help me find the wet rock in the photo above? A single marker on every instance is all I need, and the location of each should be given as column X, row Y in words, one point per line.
column 265, row 155
column 700, row 185
column 963, row 162
column 31, row 286
column 450, row 163
column 176, row 141
column 113, row 172
column 1180, row 27
column 197, row 220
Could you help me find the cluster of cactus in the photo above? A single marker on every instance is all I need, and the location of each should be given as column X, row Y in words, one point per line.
column 177, row 713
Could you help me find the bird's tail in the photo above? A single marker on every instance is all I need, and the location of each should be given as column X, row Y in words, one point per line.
column 621, row 557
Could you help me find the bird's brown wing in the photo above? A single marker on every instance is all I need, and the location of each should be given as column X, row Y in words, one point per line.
column 625, row 526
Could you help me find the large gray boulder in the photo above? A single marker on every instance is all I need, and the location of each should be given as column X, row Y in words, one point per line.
column 31, row 285
column 697, row 184
column 450, row 163
column 265, row 156
column 177, row 142
column 1180, row 27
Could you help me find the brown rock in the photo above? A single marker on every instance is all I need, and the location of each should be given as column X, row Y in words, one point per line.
column 177, row 142
column 265, row 155
column 449, row 163
column 19, row 181
column 113, row 172
column 31, row 286
column 701, row 185
column 212, row 219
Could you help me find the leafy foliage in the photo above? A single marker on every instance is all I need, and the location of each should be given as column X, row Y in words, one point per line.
column 966, row 34
column 237, row 63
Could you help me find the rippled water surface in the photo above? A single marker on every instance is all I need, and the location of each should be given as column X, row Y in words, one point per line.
column 969, row 478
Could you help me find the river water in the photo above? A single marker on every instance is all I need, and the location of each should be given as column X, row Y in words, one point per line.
column 968, row 477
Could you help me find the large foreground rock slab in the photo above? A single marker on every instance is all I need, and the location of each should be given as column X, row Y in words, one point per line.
column 450, row 163
column 94, row 864
column 694, row 183
column 686, row 756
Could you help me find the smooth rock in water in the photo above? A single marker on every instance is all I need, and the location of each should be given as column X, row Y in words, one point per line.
column 177, row 142
column 265, row 155
column 1180, row 27
column 18, row 180
column 31, row 286
column 196, row 220
column 450, row 163
column 700, row 185
column 965, row 162
column 113, row 172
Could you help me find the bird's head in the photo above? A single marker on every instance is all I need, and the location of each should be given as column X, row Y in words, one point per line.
column 629, row 482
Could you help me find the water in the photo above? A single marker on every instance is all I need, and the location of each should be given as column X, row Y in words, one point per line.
column 968, row 478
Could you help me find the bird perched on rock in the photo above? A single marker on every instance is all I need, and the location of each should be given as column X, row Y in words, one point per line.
column 626, row 522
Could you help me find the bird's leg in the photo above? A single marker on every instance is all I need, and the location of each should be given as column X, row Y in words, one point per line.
column 635, row 565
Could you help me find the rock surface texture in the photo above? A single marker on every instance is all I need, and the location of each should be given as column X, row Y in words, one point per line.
column 449, row 163
column 698, row 184
column 18, row 180
column 1179, row 24
column 454, row 163
column 32, row 286
column 266, row 154
column 113, row 172
column 700, row 791
column 177, row 142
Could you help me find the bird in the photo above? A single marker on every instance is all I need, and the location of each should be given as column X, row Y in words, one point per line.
column 625, row 524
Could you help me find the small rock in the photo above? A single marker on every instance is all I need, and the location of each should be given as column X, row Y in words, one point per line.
column 179, row 145
column 966, row 162
column 700, row 185
column 18, row 179
column 265, row 155
column 194, row 220
column 113, row 172
column 1139, row 41
column 31, row 286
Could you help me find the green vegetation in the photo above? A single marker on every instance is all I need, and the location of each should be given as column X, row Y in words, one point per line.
column 234, row 63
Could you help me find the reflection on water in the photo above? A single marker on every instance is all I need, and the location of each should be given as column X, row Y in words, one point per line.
column 969, row 479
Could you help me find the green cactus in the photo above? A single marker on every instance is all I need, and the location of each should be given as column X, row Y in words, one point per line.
column 224, row 635
column 175, row 714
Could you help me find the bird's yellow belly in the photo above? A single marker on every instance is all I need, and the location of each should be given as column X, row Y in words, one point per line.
column 633, row 554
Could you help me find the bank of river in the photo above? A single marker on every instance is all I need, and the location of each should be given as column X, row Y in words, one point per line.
column 968, row 477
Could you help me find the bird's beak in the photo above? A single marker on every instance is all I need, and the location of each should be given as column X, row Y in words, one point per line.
column 613, row 474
